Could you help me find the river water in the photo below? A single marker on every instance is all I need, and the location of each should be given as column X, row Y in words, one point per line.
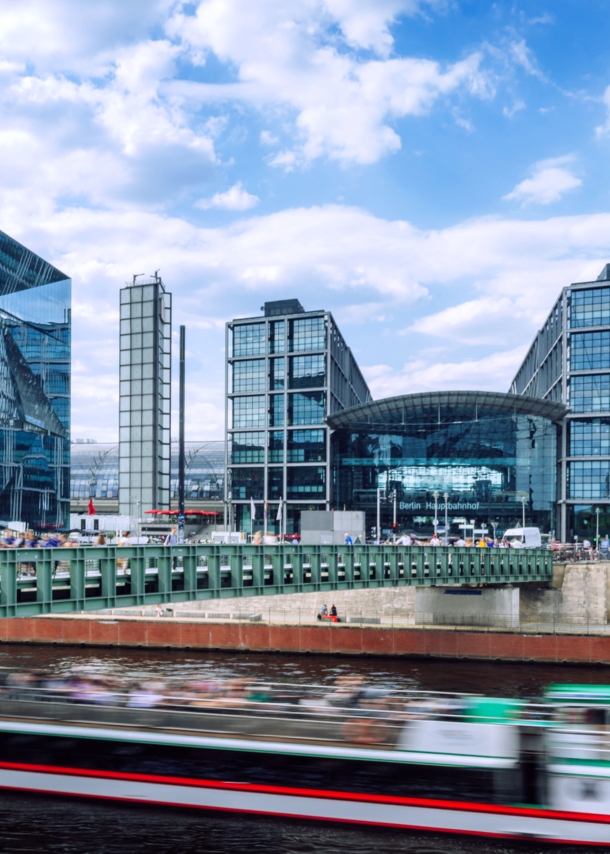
column 31, row 823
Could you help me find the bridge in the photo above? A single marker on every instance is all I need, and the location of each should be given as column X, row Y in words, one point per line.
column 70, row 580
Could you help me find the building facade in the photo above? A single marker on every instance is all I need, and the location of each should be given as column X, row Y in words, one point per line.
column 95, row 474
column 490, row 458
column 145, row 398
column 569, row 362
column 285, row 373
column 35, row 326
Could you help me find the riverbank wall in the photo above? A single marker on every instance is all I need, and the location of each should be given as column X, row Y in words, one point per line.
column 334, row 640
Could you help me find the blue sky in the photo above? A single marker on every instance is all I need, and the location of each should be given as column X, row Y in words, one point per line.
column 432, row 171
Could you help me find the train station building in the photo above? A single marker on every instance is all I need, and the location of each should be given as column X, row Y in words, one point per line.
column 472, row 458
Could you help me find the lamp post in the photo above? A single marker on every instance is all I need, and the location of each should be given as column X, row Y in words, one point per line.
column 446, row 497
column 523, row 503
column 394, row 517
column 472, row 524
column 378, row 531
column 597, row 512
column 436, row 494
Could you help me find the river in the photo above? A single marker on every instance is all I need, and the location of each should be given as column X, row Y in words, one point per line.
column 42, row 824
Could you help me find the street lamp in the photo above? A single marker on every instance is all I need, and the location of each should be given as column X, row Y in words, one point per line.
column 523, row 503
column 597, row 512
column 472, row 524
column 378, row 515
column 436, row 494
column 446, row 497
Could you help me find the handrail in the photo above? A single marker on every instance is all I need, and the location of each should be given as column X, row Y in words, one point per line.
column 84, row 578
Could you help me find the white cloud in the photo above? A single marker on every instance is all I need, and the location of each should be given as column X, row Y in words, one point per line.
column 494, row 372
column 302, row 57
column 549, row 182
column 234, row 199
column 515, row 107
column 604, row 129
column 500, row 275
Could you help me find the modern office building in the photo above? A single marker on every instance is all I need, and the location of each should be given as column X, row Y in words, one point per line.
column 145, row 397
column 493, row 455
column 569, row 362
column 285, row 373
column 35, row 300
column 95, row 474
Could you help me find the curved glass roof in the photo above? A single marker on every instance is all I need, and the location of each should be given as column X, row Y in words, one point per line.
column 442, row 407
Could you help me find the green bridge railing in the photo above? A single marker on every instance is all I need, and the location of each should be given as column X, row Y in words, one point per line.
column 44, row 581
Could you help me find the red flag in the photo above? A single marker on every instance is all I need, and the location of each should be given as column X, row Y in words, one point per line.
column 91, row 508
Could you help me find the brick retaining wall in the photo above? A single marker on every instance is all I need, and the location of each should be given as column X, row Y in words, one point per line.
column 330, row 640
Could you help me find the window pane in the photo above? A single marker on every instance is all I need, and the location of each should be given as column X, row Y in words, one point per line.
column 589, row 351
column 589, row 479
column 275, row 484
column 307, row 446
column 249, row 375
column 307, row 334
column 276, row 336
column 249, row 411
column 590, row 394
column 247, row 483
column 306, row 408
column 249, row 339
column 276, row 446
column 276, row 374
column 307, row 371
column 248, row 448
column 306, row 483
column 276, row 410
column 590, row 438
column 590, row 307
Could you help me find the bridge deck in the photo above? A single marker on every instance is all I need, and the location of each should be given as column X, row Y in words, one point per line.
column 43, row 581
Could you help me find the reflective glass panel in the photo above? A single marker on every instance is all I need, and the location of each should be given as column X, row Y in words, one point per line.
column 276, row 410
column 589, row 438
column 306, row 482
column 307, row 334
column 249, row 375
column 589, row 351
column 276, row 336
column 590, row 393
column 247, row 483
column 306, row 446
column 275, row 482
column 589, row 479
column 276, row 374
column 307, row 371
column 590, row 307
column 276, row 446
column 306, row 408
column 248, row 447
column 249, row 411
column 249, row 339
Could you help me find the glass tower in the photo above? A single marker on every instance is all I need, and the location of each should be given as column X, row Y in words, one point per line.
column 569, row 362
column 35, row 324
column 285, row 372
column 145, row 398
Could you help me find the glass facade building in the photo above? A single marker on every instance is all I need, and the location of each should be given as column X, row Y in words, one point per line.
column 35, row 326
column 145, row 398
column 488, row 452
column 285, row 373
column 95, row 472
column 569, row 362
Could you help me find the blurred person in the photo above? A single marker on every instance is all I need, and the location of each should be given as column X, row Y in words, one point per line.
column 101, row 540
column 172, row 538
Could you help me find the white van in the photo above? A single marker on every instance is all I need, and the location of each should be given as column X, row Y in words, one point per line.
column 528, row 538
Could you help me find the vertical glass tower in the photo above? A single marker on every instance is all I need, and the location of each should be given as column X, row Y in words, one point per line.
column 285, row 372
column 145, row 398
column 569, row 362
column 35, row 324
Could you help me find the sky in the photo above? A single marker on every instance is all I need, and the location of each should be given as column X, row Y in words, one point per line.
column 431, row 171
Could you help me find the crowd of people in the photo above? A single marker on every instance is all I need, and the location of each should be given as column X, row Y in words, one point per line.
column 206, row 692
